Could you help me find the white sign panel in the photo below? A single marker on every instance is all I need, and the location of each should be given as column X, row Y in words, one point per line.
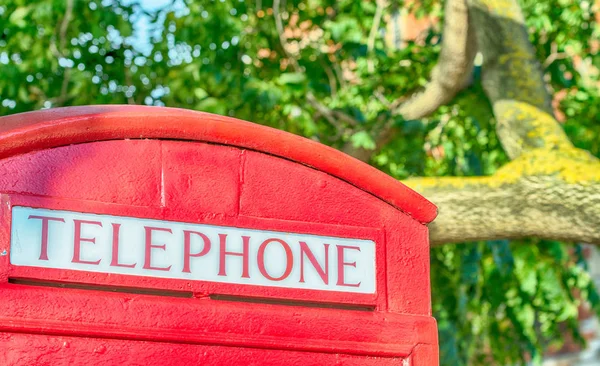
column 165, row 249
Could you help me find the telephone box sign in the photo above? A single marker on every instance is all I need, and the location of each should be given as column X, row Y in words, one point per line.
column 166, row 249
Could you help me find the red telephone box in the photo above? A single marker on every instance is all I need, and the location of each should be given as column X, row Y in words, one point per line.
column 141, row 235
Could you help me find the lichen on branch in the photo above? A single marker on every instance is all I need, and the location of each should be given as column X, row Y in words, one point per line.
column 523, row 127
column 512, row 78
column 544, row 193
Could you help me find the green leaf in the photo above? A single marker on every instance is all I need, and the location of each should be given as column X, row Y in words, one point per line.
column 212, row 105
column 529, row 280
column 18, row 16
column 291, row 78
column 200, row 93
column 362, row 139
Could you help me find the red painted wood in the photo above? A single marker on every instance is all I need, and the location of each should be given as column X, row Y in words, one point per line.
column 200, row 168
column 424, row 354
column 407, row 266
column 200, row 178
column 293, row 192
column 202, row 321
column 127, row 173
column 44, row 350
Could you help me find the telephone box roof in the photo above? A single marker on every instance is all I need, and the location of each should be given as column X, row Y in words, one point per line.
column 25, row 132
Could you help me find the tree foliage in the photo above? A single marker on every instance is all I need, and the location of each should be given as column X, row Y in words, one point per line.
column 334, row 71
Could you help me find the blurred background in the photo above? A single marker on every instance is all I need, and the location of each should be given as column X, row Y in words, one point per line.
column 496, row 302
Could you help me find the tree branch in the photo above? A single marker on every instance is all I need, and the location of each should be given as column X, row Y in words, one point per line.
column 65, row 25
column 323, row 111
column 282, row 37
column 454, row 67
column 129, row 82
column 381, row 5
column 59, row 52
column 550, row 189
column 542, row 194
column 513, row 80
column 553, row 56
column 332, row 116
column 448, row 77
column 330, row 78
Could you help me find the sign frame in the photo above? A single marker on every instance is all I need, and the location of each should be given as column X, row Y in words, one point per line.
column 196, row 288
